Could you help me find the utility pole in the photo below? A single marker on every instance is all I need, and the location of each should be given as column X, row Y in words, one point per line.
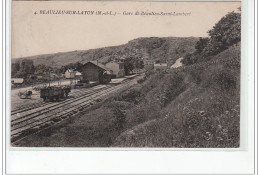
column 70, row 79
column 49, row 78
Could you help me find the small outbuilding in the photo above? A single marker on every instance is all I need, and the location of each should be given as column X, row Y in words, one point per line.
column 148, row 62
column 70, row 74
column 17, row 81
column 78, row 76
column 117, row 68
column 160, row 66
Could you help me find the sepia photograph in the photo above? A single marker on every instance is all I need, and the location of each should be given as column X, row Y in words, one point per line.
column 125, row 74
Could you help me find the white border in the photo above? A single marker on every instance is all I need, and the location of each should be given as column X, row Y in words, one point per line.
column 2, row 75
column 77, row 161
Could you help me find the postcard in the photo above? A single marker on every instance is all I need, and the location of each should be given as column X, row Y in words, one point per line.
column 125, row 87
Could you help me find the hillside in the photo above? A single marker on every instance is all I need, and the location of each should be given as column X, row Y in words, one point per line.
column 192, row 106
column 159, row 49
column 200, row 108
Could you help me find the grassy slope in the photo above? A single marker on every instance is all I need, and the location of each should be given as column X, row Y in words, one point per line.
column 195, row 107
column 169, row 49
column 205, row 114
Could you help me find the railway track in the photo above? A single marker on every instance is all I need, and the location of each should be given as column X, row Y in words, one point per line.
column 74, row 94
column 48, row 108
column 32, row 121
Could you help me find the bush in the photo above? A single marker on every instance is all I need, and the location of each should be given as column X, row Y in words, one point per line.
column 195, row 74
column 205, row 128
column 189, row 59
column 132, row 95
column 222, row 80
column 174, row 87
column 201, row 44
column 119, row 118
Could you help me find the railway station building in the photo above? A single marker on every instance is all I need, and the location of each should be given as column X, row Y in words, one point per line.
column 93, row 70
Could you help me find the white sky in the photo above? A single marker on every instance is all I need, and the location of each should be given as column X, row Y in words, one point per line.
column 43, row 34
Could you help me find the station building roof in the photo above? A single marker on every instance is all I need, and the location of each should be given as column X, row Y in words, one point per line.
column 100, row 65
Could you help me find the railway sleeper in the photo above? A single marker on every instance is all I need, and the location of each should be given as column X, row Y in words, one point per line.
column 75, row 111
column 81, row 108
column 71, row 113
column 44, row 125
column 50, row 122
column 64, row 117
column 36, row 127
column 56, row 119
column 28, row 132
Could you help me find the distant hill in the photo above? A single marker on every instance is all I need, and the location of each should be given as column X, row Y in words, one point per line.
column 158, row 49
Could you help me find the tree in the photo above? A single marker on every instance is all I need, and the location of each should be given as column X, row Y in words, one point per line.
column 128, row 65
column 190, row 59
column 15, row 68
column 139, row 64
column 62, row 70
column 225, row 33
column 201, row 44
column 78, row 66
column 41, row 68
column 119, row 118
column 22, row 68
column 27, row 66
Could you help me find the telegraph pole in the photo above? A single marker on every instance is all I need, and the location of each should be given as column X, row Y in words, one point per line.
column 49, row 78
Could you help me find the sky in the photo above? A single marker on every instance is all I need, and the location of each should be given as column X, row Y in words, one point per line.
column 51, row 33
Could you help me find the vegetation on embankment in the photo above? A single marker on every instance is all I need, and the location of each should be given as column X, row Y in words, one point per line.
column 202, row 112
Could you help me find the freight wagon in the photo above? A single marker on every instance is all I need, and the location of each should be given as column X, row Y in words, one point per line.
column 54, row 93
